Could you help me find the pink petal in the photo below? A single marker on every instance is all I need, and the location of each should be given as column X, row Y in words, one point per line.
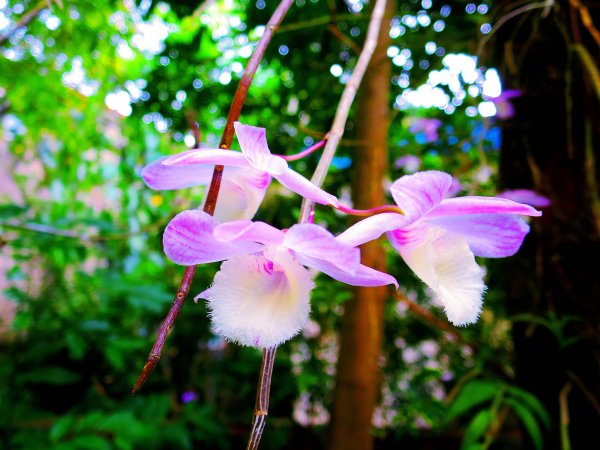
column 420, row 192
column 488, row 235
column 319, row 244
column 158, row 176
column 481, row 205
column 188, row 240
column 364, row 276
column 371, row 228
column 210, row 156
column 241, row 193
column 253, row 142
column 246, row 230
column 300, row 185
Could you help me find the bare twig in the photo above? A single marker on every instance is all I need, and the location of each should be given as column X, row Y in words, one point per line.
column 213, row 191
column 586, row 19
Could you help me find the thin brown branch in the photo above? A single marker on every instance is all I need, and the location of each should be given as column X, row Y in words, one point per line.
column 318, row 21
column 343, row 38
column 341, row 116
column 213, row 191
column 427, row 316
column 586, row 19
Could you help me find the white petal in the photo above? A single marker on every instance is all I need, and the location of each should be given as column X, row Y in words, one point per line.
column 258, row 302
column 447, row 265
column 241, row 193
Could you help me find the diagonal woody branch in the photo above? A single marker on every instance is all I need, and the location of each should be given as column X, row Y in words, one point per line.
column 213, row 191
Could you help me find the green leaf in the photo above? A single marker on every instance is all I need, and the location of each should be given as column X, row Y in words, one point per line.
column 477, row 429
column 528, row 420
column 473, row 393
column 60, row 428
column 86, row 442
column 8, row 211
column 51, row 375
column 531, row 401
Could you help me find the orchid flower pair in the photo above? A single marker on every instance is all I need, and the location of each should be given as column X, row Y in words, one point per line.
column 261, row 294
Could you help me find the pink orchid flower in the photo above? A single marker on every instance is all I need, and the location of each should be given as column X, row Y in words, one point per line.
column 439, row 237
column 240, row 195
column 253, row 167
column 261, row 295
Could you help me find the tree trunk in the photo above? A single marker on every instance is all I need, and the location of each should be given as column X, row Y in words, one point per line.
column 357, row 383
column 552, row 145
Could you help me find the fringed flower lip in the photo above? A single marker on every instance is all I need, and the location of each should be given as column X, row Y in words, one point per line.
column 439, row 237
column 255, row 155
column 261, row 295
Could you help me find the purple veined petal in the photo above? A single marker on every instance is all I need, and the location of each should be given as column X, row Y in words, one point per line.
column 420, row 192
column 253, row 142
column 241, row 193
column 160, row 177
column 319, row 244
column 188, row 240
column 300, row 185
column 210, row 156
column 481, row 205
column 526, row 196
column 246, row 230
column 371, row 228
column 258, row 302
column 488, row 235
column 446, row 264
column 364, row 276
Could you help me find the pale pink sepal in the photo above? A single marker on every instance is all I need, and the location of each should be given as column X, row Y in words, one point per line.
column 188, row 240
column 300, row 185
column 316, row 242
column 488, row 235
column 419, row 193
column 371, row 228
column 209, row 156
column 364, row 275
column 481, row 205
column 160, row 177
column 253, row 143
column 241, row 193
column 247, row 230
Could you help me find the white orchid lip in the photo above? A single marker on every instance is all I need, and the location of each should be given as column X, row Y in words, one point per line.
column 260, row 300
